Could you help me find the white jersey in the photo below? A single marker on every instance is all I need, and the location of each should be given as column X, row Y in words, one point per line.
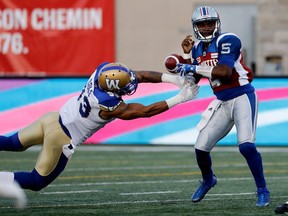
column 80, row 114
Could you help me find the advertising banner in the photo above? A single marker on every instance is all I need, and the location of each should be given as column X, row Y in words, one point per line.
column 22, row 101
column 55, row 38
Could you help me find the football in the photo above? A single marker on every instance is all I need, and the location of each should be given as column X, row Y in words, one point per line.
column 171, row 62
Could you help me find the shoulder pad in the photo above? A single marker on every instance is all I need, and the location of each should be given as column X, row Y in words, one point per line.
column 108, row 101
column 227, row 36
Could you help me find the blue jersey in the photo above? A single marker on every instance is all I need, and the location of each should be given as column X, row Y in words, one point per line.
column 225, row 49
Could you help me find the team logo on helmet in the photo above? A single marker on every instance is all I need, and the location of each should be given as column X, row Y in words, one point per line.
column 117, row 78
column 112, row 84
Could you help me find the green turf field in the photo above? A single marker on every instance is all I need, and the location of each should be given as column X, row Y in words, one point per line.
column 130, row 180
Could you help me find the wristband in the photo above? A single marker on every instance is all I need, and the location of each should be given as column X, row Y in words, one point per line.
column 205, row 71
column 168, row 78
column 173, row 101
column 186, row 56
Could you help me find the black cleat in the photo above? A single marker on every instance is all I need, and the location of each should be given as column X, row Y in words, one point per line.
column 282, row 209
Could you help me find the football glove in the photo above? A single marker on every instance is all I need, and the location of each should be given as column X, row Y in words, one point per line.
column 187, row 92
column 185, row 69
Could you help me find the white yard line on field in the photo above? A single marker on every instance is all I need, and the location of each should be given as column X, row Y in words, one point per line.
column 71, row 192
column 130, row 168
column 140, row 193
column 157, row 182
column 244, row 164
column 148, row 193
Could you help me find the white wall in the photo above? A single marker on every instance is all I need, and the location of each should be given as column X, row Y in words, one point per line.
column 149, row 30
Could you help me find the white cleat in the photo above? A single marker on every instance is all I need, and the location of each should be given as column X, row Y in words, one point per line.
column 14, row 191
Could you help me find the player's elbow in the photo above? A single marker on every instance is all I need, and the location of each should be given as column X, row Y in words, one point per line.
column 227, row 72
column 222, row 71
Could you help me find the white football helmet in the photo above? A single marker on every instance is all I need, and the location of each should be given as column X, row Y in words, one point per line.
column 117, row 78
column 202, row 14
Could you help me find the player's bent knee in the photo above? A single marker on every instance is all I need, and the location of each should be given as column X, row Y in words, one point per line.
column 205, row 142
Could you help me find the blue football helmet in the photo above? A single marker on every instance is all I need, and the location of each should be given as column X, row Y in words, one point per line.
column 203, row 14
column 117, row 78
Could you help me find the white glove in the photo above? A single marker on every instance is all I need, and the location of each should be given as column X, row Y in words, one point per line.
column 190, row 79
column 174, row 79
column 188, row 92
column 178, row 79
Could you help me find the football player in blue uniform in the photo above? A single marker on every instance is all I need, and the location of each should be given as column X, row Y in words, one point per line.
column 99, row 103
column 218, row 57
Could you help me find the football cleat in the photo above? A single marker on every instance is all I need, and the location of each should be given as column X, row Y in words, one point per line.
column 263, row 195
column 203, row 189
column 14, row 191
column 282, row 209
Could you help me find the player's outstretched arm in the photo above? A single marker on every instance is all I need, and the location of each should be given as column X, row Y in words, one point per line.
column 157, row 77
column 135, row 110
column 148, row 76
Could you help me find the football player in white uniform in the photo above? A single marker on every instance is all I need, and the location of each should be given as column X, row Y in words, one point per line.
column 99, row 103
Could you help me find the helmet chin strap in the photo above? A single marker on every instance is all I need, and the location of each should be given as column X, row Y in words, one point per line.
column 210, row 37
column 207, row 38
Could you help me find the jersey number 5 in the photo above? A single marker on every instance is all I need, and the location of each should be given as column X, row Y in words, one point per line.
column 225, row 48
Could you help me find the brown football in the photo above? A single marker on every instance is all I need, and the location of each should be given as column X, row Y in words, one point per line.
column 171, row 62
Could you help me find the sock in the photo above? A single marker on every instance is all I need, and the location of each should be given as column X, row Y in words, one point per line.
column 34, row 181
column 254, row 161
column 205, row 164
column 10, row 143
